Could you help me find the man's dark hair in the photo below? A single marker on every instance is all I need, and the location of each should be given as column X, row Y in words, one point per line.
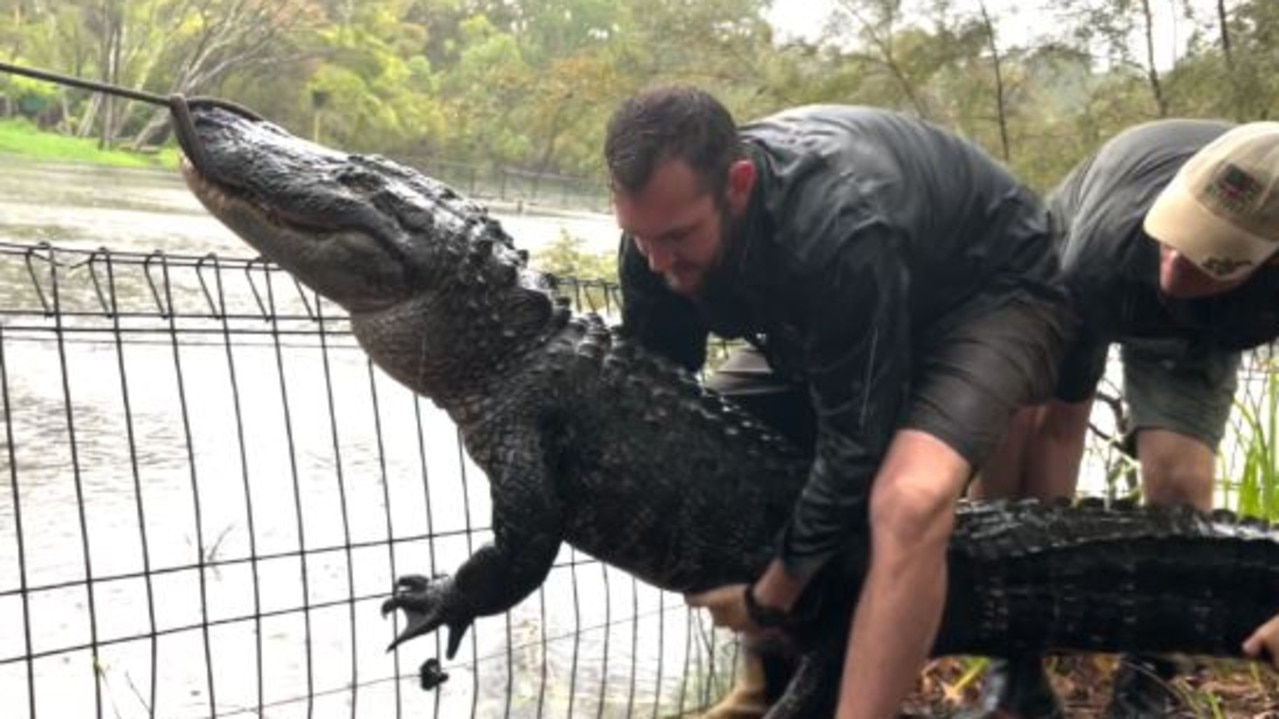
column 671, row 123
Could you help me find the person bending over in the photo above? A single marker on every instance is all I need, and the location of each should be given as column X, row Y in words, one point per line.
column 900, row 298
column 1168, row 238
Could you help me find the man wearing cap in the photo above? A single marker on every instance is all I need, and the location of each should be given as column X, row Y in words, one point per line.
column 1168, row 238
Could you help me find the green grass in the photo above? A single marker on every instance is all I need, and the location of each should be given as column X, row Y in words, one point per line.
column 1251, row 467
column 21, row 138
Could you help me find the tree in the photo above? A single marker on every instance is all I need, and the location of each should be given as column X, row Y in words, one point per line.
column 195, row 45
column 888, row 46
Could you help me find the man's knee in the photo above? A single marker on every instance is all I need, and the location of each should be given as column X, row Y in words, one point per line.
column 1176, row 469
column 915, row 492
column 910, row 523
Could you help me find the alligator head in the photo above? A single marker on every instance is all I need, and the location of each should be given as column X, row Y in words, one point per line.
column 435, row 289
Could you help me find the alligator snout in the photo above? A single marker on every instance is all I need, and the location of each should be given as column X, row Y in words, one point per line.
column 180, row 107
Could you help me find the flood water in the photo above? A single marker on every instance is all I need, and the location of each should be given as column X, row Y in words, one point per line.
column 215, row 490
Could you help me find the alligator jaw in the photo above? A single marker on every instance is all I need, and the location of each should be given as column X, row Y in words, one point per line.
column 305, row 207
column 326, row 260
column 436, row 291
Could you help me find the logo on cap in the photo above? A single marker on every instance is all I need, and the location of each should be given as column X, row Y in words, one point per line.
column 1222, row 266
column 1234, row 189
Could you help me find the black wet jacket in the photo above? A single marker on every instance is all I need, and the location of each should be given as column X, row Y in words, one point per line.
column 1111, row 265
column 866, row 229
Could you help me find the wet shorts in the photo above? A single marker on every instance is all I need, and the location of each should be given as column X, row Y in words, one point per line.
column 973, row 369
column 977, row 367
column 1172, row 385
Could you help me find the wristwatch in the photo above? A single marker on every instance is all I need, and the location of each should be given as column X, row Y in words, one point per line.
column 764, row 617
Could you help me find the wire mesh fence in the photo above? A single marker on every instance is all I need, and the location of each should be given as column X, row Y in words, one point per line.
column 208, row 490
column 1246, row 478
column 513, row 185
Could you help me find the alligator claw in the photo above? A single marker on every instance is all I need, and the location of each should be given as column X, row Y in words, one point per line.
column 431, row 675
column 412, row 583
column 425, row 603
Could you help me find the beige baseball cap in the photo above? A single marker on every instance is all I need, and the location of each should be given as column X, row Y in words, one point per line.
column 1221, row 210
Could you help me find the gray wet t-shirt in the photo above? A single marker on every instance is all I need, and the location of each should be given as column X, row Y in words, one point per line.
column 1111, row 265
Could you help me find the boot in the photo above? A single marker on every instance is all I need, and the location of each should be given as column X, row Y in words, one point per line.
column 1016, row 688
column 766, row 669
column 1142, row 689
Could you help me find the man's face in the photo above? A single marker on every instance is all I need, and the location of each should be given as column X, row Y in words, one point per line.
column 1182, row 279
column 677, row 225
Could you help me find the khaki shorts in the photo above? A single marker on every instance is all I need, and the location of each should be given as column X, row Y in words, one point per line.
column 1172, row 385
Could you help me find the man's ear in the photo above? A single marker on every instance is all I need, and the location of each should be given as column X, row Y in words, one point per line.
column 741, row 181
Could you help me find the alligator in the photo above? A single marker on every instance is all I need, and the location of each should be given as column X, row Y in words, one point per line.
column 589, row 439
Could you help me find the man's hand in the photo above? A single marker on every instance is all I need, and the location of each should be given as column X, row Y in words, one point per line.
column 727, row 605
column 1264, row 643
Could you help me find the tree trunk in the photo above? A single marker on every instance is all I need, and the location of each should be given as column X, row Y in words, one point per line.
column 15, row 50
column 1001, row 109
column 1223, row 23
column 90, row 115
column 110, row 71
column 1152, row 73
column 1237, row 108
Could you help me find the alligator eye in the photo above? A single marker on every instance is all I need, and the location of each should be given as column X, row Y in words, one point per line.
column 415, row 218
column 359, row 180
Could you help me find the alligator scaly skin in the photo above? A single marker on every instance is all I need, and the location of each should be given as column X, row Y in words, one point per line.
column 589, row 439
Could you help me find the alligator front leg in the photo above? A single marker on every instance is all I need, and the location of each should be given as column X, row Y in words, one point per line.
column 527, row 532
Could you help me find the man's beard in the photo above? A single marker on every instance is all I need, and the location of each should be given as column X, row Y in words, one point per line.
column 718, row 273
column 721, row 298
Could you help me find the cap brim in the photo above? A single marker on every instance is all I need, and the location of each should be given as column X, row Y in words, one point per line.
column 1221, row 249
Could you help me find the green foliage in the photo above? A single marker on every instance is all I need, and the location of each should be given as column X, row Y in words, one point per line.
column 529, row 84
column 32, row 97
column 591, row 273
column 1250, row 465
column 567, row 256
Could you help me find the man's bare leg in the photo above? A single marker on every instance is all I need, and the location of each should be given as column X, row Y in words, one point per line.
column 1001, row 473
column 1176, row 469
column 911, row 515
column 1056, row 451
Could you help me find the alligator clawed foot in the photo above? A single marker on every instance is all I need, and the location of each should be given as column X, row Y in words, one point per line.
column 427, row 604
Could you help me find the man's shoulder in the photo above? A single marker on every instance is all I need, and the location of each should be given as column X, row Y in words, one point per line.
column 828, row 110
column 829, row 122
column 1169, row 141
column 1102, row 201
column 1173, row 130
